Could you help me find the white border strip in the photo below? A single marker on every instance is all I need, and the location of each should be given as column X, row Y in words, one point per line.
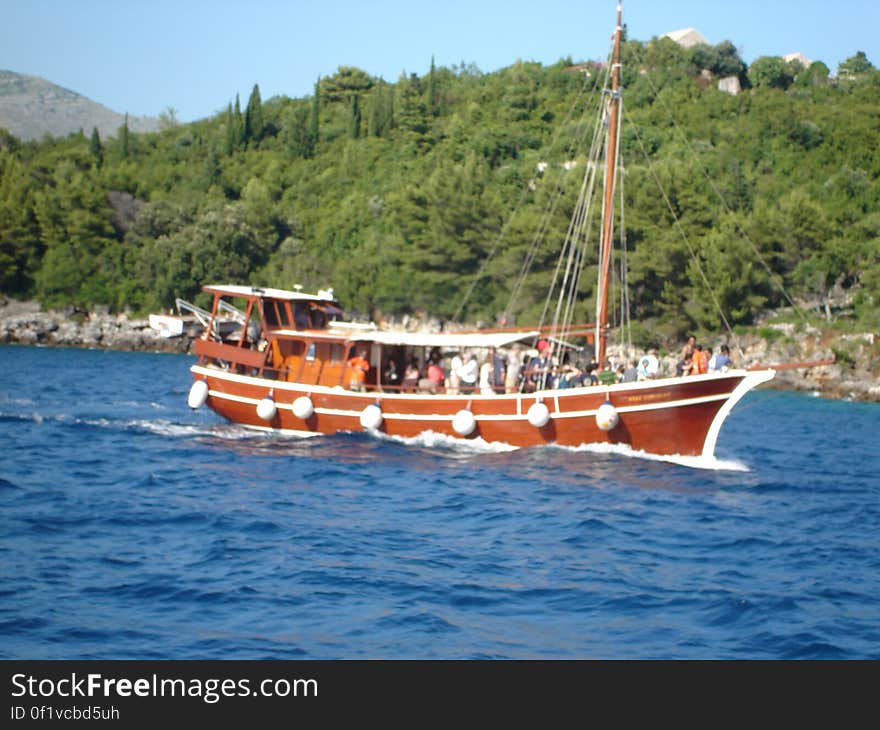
column 752, row 380
column 557, row 415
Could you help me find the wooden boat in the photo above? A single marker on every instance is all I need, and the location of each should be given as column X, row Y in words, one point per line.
column 291, row 369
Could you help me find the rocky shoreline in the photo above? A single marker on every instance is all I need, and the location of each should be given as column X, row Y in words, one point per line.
column 849, row 378
column 25, row 323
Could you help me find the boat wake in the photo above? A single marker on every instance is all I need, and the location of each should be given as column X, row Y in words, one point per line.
column 467, row 447
column 693, row 462
column 434, row 440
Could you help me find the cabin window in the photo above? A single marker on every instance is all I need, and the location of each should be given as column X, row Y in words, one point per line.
column 291, row 347
column 337, row 353
column 310, row 355
column 301, row 316
column 270, row 313
column 284, row 314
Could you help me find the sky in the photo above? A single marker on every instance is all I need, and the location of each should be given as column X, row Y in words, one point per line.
column 143, row 57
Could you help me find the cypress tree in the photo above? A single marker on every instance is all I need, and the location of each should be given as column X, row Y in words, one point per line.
column 314, row 121
column 123, row 139
column 432, row 89
column 355, row 117
column 96, row 148
column 230, row 136
column 253, row 118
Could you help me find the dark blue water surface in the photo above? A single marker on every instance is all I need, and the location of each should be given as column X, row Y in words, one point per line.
column 134, row 528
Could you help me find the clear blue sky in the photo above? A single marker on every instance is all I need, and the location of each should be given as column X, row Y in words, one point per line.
column 143, row 56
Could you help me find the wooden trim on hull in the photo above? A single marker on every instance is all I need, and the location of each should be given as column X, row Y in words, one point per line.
column 666, row 417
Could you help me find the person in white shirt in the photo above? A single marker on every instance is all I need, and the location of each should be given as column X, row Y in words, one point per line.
column 468, row 372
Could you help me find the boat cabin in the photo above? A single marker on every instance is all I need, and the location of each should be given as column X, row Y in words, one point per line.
column 284, row 335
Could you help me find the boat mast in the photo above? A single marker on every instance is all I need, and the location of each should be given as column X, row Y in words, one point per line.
column 608, row 204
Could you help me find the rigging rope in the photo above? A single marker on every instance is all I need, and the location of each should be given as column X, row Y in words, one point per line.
column 775, row 278
column 687, row 242
column 503, row 232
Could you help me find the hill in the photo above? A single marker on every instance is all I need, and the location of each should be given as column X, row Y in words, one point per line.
column 398, row 195
column 31, row 108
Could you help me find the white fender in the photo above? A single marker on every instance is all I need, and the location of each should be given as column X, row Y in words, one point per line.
column 539, row 414
column 266, row 409
column 464, row 422
column 303, row 407
column 607, row 416
column 198, row 394
column 371, row 417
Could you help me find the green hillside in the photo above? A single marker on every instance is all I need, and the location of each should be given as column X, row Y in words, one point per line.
column 397, row 194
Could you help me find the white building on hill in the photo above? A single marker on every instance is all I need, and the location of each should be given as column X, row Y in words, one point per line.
column 686, row 37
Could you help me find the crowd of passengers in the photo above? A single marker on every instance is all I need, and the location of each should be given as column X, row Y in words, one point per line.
column 520, row 370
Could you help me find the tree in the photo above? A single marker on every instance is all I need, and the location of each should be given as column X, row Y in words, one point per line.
column 123, row 139
column 355, row 117
column 315, row 118
column 299, row 139
column 254, row 123
column 96, row 148
column 854, row 65
column 771, row 71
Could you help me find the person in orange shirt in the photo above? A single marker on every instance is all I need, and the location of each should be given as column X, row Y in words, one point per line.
column 358, row 366
column 699, row 361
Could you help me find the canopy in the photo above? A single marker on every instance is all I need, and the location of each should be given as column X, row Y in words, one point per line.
column 445, row 340
column 268, row 293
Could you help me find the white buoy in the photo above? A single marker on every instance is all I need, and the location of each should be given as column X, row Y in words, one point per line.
column 371, row 417
column 198, row 394
column 607, row 416
column 539, row 415
column 464, row 422
column 303, row 407
column 266, row 409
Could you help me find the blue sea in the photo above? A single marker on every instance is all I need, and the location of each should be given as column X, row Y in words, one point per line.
column 135, row 528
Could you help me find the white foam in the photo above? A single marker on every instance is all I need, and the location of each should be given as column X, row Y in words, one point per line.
column 433, row 440
column 694, row 462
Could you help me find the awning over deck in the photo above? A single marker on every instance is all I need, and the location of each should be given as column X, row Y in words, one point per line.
column 445, row 340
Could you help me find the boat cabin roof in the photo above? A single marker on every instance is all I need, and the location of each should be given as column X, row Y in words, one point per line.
column 250, row 292
column 444, row 340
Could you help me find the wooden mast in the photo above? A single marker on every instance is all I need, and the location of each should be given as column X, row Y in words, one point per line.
column 608, row 204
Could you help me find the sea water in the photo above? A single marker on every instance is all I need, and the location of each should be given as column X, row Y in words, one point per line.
column 135, row 528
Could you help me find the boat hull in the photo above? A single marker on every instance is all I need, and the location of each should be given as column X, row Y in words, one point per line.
column 671, row 416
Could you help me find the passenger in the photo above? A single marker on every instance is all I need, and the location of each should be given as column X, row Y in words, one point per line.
column 630, row 373
column 514, row 367
column 391, row 376
column 411, row 376
column 722, row 361
column 570, row 374
column 436, row 374
column 453, row 381
column 486, row 378
column 649, row 366
column 699, row 361
column 499, row 370
column 540, row 369
column 607, row 375
column 358, row 366
column 468, row 373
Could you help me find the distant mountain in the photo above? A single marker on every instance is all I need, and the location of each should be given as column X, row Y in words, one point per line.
column 31, row 107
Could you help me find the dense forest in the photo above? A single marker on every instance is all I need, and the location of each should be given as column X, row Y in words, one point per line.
column 398, row 195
